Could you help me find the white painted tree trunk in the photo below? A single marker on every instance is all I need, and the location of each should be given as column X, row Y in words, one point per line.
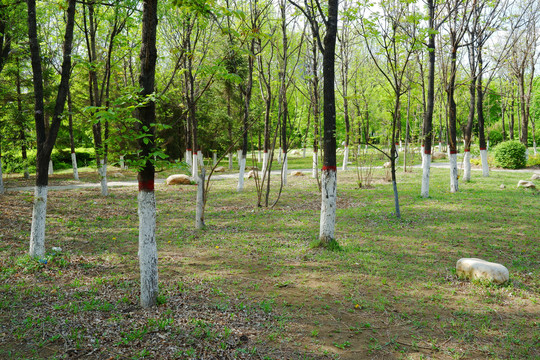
column 467, row 166
column 74, row 165
column 328, row 205
column 194, row 166
column 440, row 146
column 266, row 156
column 400, row 146
column 188, row 157
column 242, row 161
column 239, row 157
column 259, row 156
column 51, row 167
column 199, row 213
column 453, row 173
column 103, row 174
column 345, row 158
column 1, row 178
column 214, row 159
column 487, row 142
column 426, row 166
column 304, row 152
column 39, row 213
column 485, row 166
column 315, row 165
column 285, row 170
column 230, row 156
column 279, row 156
column 200, row 158
column 122, row 163
column 422, row 153
column 147, row 248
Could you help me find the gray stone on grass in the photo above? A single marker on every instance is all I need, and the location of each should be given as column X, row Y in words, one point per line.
column 502, row 187
column 437, row 155
column 535, row 177
column 219, row 169
column 178, row 179
column 526, row 184
column 478, row 269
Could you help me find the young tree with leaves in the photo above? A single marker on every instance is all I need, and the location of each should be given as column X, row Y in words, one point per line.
column 46, row 139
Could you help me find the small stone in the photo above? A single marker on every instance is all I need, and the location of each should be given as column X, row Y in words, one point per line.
column 535, row 177
column 219, row 169
column 295, row 153
column 502, row 186
column 387, row 165
column 437, row 155
column 250, row 174
column 478, row 269
column 178, row 179
column 297, row 173
column 526, row 184
column 118, row 175
column 57, row 249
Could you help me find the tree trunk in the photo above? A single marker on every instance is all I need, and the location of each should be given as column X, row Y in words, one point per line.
column 199, row 213
column 428, row 117
column 480, row 110
column 46, row 139
column 71, row 139
column 147, row 201
column 452, row 120
column 329, row 170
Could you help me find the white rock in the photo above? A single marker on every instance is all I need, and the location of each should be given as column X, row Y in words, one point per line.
column 437, row 155
column 295, row 153
column 178, row 179
column 387, row 164
column 478, row 269
column 250, row 174
column 219, row 169
column 502, row 187
column 526, row 184
column 535, row 177
column 57, row 249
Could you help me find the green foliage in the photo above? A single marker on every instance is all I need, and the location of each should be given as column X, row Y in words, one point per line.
column 495, row 136
column 534, row 160
column 510, row 155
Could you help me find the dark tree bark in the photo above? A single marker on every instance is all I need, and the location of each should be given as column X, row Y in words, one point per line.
column 147, row 116
column 46, row 139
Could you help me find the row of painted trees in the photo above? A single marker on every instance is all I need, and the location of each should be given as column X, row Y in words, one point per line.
column 229, row 66
column 213, row 56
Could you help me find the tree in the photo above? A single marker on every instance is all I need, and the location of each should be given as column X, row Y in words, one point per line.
column 391, row 40
column 329, row 170
column 459, row 14
column 146, row 115
column 46, row 139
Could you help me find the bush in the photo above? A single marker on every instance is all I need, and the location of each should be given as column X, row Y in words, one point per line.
column 534, row 160
column 495, row 137
column 510, row 155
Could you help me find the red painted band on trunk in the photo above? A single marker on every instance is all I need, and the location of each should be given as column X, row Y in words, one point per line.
column 466, row 150
column 427, row 152
column 146, row 185
column 333, row 168
column 453, row 151
column 188, row 149
column 482, row 148
column 265, row 151
column 194, row 153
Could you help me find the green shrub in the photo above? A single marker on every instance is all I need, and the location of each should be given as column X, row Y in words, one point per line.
column 510, row 155
column 495, row 137
column 534, row 160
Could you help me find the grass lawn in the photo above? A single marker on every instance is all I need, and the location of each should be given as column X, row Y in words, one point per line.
column 249, row 286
